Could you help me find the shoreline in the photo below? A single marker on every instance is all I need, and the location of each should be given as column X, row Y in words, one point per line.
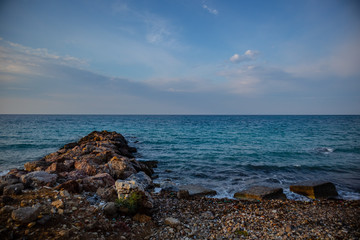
column 95, row 189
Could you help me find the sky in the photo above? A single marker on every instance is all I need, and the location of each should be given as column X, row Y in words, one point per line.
column 179, row 57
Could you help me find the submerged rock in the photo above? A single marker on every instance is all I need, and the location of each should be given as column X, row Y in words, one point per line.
column 197, row 190
column 315, row 189
column 261, row 193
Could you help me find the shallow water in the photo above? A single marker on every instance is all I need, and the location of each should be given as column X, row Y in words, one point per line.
column 226, row 153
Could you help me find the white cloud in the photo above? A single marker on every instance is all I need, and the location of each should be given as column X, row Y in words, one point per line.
column 210, row 10
column 247, row 56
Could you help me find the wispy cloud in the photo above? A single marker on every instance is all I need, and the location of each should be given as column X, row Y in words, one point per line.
column 209, row 9
column 247, row 56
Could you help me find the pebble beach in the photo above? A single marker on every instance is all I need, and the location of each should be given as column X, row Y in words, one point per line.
column 95, row 189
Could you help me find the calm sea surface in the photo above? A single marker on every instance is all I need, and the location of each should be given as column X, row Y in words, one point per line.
column 226, row 153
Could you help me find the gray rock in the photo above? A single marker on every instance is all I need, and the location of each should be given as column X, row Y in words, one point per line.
column 143, row 179
column 261, row 193
column 315, row 189
column 169, row 186
column 26, row 214
column 197, row 190
column 39, row 178
column 171, row 221
column 110, row 209
column 13, row 189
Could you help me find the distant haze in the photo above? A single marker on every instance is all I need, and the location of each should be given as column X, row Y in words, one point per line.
column 180, row 57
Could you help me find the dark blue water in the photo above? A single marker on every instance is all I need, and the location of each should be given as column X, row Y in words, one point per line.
column 226, row 153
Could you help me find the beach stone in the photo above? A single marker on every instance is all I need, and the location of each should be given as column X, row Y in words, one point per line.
column 124, row 188
column 315, row 189
column 171, row 221
column 142, row 218
column 71, row 186
column 110, row 209
column 169, row 186
column 39, row 178
column 143, row 179
column 13, row 189
column 58, row 203
column 183, row 194
column 108, row 194
column 261, row 193
column 6, row 200
column 197, row 190
column 26, row 214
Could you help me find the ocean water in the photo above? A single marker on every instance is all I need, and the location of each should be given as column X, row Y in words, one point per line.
column 225, row 153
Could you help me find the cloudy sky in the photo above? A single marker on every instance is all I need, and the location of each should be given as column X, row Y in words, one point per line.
column 180, row 57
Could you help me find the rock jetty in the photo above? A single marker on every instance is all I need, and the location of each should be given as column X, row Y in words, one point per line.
column 95, row 189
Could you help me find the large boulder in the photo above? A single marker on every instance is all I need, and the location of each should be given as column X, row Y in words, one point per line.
column 315, row 189
column 197, row 190
column 260, row 193
column 120, row 167
column 142, row 179
column 91, row 184
column 127, row 189
column 39, row 178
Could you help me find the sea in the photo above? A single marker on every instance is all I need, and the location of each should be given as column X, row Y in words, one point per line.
column 226, row 153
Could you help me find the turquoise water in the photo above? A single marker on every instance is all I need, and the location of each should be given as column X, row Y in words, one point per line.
column 226, row 153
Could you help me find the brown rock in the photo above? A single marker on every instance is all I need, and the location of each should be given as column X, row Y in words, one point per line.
column 142, row 218
column 315, row 189
column 261, row 193
column 26, row 214
column 71, row 186
column 100, row 180
column 13, row 189
column 86, row 167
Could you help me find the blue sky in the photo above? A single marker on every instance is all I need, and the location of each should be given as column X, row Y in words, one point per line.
column 180, row 57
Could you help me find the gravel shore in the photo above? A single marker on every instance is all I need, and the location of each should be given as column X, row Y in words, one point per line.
column 173, row 218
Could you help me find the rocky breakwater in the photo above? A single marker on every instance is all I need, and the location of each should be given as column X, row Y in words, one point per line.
column 100, row 164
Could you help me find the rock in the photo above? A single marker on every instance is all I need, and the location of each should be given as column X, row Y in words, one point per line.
column 169, row 186
column 183, row 194
column 197, row 190
column 108, row 194
column 142, row 218
column 58, row 203
column 25, row 215
column 6, row 200
column 6, row 209
column 38, row 165
column 110, row 209
column 120, row 168
column 65, row 194
column 143, row 179
column 13, row 189
column 315, row 189
column 261, row 193
column 86, row 167
column 125, row 188
column 44, row 219
column 171, row 221
column 91, row 184
column 70, row 186
column 39, row 178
